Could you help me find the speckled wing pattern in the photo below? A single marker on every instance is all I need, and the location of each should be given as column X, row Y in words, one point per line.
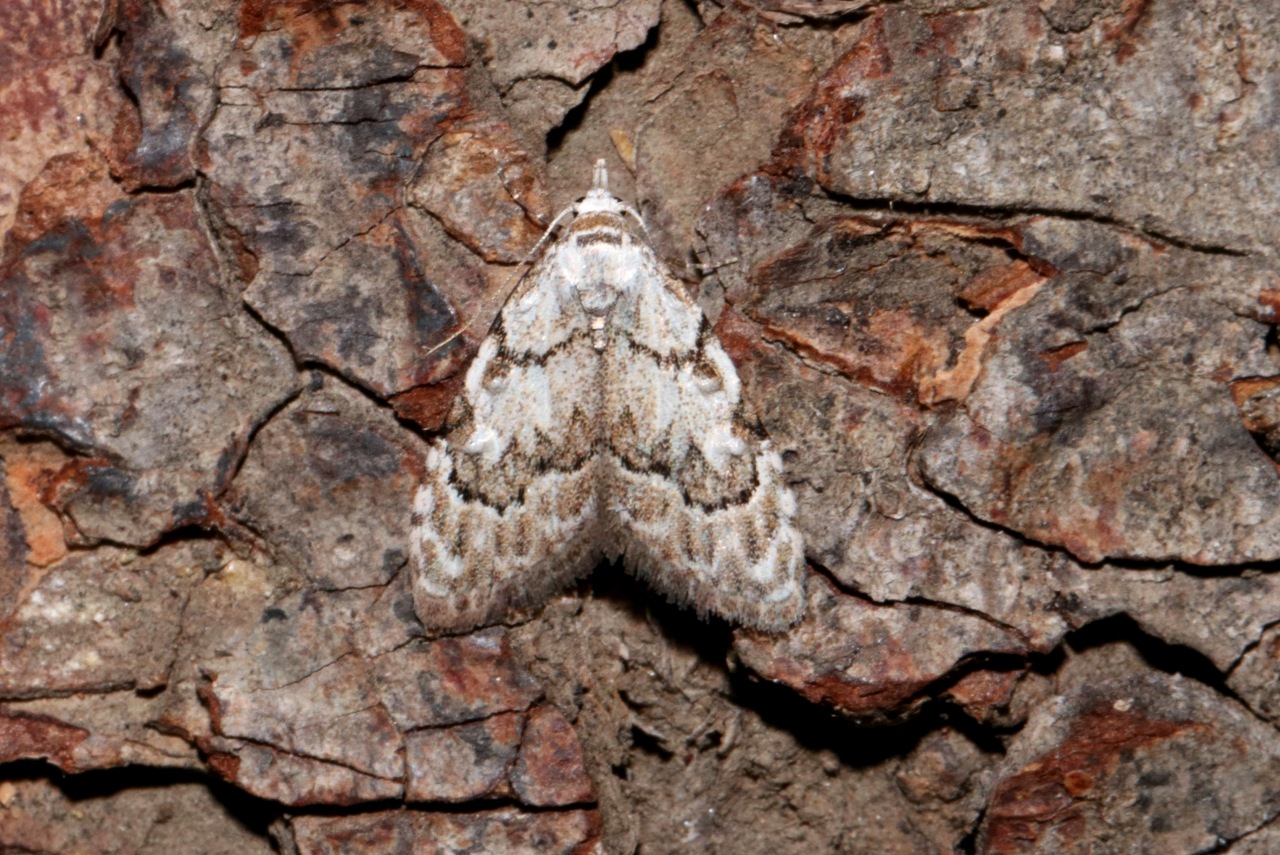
column 600, row 418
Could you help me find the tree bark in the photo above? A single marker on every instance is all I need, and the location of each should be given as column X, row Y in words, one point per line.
column 1000, row 279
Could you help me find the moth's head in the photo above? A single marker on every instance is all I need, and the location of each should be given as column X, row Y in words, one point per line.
column 599, row 198
column 600, row 201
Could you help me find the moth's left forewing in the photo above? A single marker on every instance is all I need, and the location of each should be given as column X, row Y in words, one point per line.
column 696, row 487
column 508, row 510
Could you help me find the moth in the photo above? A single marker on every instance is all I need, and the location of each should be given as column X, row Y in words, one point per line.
column 601, row 418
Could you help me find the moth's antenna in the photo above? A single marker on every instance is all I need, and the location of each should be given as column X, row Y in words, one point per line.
column 627, row 209
column 510, row 284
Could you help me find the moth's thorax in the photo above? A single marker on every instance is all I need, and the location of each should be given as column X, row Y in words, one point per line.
column 606, row 262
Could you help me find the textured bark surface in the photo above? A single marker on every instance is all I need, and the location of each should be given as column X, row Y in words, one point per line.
column 1001, row 277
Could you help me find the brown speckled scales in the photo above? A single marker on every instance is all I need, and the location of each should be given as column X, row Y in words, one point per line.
column 602, row 418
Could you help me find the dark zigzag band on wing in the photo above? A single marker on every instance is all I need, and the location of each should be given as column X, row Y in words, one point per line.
column 673, row 361
column 543, row 462
column 542, row 467
column 742, row 497
column 676, row 361
column 526, row 358
column 546, row 458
